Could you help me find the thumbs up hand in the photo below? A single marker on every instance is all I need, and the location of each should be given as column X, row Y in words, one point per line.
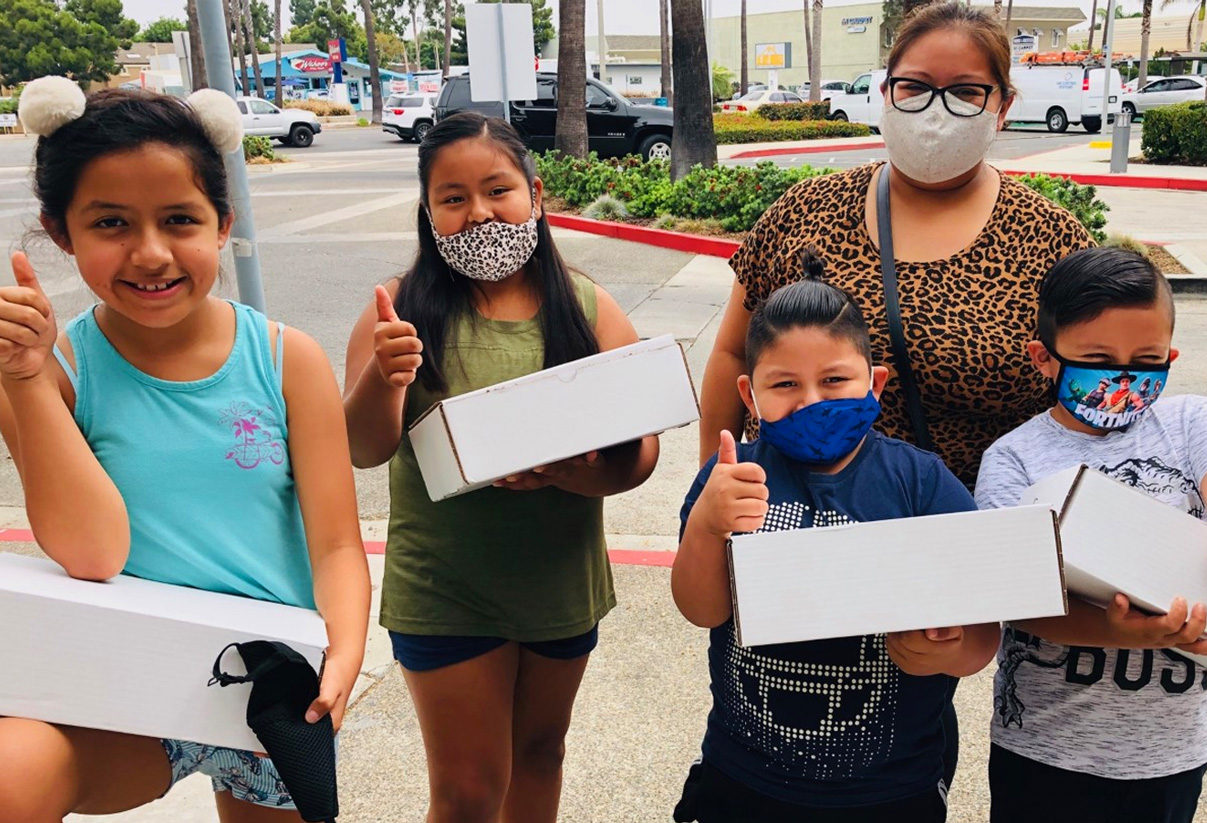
column 396, row 344
column 735, row 497
column 27, row 324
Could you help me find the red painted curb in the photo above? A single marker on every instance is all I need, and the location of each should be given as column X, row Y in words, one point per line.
column 1123, row 181
column 691, row 243
column 747, row 155
column 622, row 557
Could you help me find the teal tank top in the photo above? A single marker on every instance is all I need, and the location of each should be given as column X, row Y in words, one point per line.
column 203, row 466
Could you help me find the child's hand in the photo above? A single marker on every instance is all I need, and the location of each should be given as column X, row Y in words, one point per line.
column 396, row 344
column 1181, row 628
column 562, row 474
column 339, row 677
column 735, row 497
column 927, row 652
column 27, row 324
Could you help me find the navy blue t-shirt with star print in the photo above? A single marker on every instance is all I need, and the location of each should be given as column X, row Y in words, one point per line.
column 831, row 722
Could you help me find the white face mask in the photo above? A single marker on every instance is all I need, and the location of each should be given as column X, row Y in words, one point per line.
column 934, row 146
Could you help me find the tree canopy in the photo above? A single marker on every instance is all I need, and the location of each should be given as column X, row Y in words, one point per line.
column 79, row 39
column 160, row 31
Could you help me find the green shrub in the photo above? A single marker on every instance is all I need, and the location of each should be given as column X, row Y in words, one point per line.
column 640, row 185
column 1081, row 200
column 744, row 128
column 362, row 122
column 666, row 222
column 1126, row 241
column 606, row 207
column 794, row 111
column 1176, row 134
column 322, row 108
column 254, row 147
column 8, row 105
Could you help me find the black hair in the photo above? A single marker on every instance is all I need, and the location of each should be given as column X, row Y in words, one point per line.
column 116, row 120
column 808, row 303
column 431, row 295
column 1086, row 283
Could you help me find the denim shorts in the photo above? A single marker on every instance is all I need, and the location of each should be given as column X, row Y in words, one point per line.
column 245, row 775
column 423, row 653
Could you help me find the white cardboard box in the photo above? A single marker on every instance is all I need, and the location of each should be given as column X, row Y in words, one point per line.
column 130, row 655
column 1118, row 539
column 896, row 575
column 471, row 440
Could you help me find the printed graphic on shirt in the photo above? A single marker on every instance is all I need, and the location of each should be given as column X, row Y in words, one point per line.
column 824, row 720
column 1132, row 670
column 1109, row 398
column 256, row 435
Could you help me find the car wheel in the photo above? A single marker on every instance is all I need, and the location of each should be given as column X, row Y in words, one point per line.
column 301, row 136
column 1058, row 121
column 839, row 115
column 1092, row 125
column 421, row 130
column 657, row 147
column 1131, row 110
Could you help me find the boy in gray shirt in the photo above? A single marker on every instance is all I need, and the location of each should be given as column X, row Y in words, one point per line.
column 1097, row 717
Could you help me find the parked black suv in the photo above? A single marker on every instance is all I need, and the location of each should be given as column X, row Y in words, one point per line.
column 615, row 126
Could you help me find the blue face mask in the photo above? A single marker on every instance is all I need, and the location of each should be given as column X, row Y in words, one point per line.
column 822, row 433
column 1106, row 396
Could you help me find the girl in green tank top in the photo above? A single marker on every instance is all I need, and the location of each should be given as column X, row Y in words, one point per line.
column 492, row 598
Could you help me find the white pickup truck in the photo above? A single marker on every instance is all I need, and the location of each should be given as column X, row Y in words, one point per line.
column 294, row 127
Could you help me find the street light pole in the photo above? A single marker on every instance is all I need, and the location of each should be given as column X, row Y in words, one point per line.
column 602, row 45
column 1108, row 41
column 219, row 71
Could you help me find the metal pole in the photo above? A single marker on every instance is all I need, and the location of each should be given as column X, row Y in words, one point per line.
column 503, row 66
column 602, row 45
column 220, row 73
column 1108, row 41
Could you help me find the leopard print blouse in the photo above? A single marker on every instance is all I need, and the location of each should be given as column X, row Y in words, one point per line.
column 967, row 319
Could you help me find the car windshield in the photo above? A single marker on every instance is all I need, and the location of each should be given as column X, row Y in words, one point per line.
column 754, row 95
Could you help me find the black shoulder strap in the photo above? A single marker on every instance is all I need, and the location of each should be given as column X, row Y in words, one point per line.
column 892, row 306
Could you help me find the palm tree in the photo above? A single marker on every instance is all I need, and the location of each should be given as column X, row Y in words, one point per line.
column 664, row 27
column 570, row 133
column 196, row 53
column 997, row 9
column 694, row 140
column 448, row 37
column 235, row 18
column 1010, row 12
column 252, row 45
column 277, row 36
column 815, row 54
column 1089, row 46
column 1146, row 27
column 743, row 56
column 814, row 85
column 374, row 69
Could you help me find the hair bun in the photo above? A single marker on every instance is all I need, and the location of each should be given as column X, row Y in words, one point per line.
column 49, row 103
column 220, row 118
column 812, row 266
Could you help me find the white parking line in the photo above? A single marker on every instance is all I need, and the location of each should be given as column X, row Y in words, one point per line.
column 306, row 224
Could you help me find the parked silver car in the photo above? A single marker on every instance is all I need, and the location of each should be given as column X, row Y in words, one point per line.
column 1164, row 91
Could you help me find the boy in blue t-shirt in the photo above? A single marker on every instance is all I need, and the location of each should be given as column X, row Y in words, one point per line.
column 1097, row 716
column 847, row 729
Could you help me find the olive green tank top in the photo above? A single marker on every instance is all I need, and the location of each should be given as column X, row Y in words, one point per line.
column 523, row 565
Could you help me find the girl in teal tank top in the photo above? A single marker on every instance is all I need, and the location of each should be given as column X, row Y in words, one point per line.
column 492, row 598
column 166, row 433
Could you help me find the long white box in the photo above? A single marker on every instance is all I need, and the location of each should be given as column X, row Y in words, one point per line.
column 1118, row 539
column 134, row 656
column 474, row 439
column 896, row 575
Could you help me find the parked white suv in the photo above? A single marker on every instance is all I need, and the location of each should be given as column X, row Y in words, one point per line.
column 294, row 127
column 409, row 115
column 1164, row 91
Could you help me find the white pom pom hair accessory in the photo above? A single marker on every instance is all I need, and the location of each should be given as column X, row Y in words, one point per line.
column 49, row 103
column 219, row 117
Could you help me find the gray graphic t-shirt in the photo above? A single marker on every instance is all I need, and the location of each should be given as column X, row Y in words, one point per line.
column 1116, row 713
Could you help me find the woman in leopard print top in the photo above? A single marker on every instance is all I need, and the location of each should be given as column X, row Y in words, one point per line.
column 970, row 253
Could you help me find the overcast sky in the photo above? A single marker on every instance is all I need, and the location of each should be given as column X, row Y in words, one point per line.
column 641, row 16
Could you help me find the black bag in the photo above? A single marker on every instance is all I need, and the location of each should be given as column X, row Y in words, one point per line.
column 284, row 684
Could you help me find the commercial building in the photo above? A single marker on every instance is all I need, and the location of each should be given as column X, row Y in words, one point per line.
column 854, row 39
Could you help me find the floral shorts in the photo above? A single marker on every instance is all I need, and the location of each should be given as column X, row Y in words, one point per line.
column 243, row 774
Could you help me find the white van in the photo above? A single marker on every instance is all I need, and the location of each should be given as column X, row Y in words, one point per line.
column 864, row 103
column 1060, row 95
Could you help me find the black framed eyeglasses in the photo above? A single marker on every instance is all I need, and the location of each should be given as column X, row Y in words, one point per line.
column 961, row 99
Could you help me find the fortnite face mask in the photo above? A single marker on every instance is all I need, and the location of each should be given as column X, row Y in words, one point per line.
column 1106, row 396
column 824, row 432
column 283, row 687
column 489, row 251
